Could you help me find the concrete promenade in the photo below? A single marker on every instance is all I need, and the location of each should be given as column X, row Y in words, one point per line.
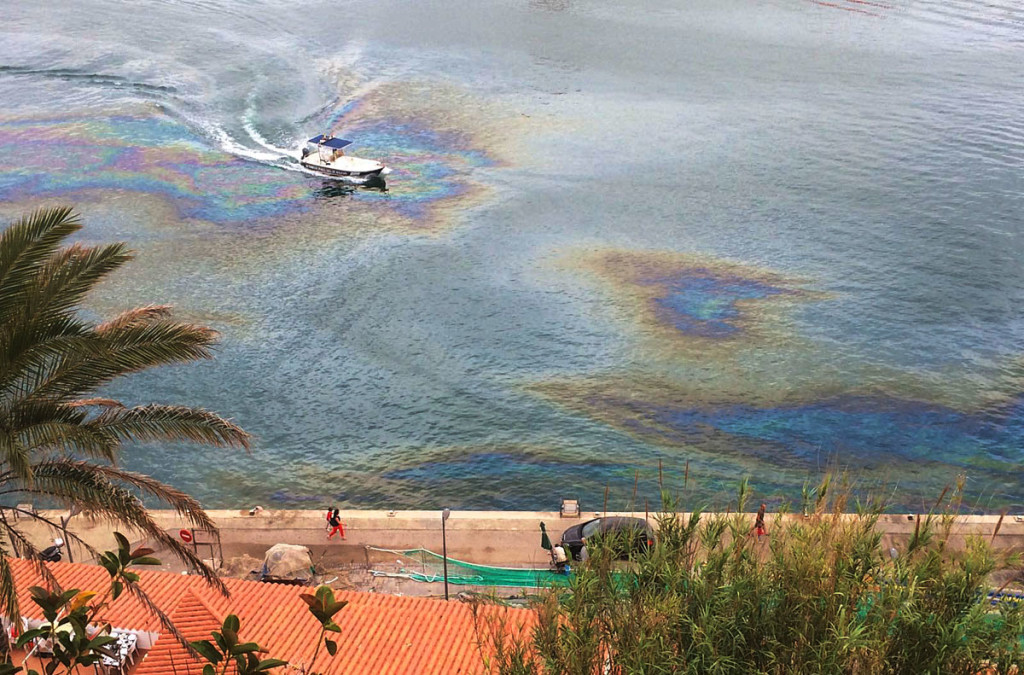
column 503, row 538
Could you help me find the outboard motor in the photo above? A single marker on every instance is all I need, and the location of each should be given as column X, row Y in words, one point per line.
column 53, row 553
column 305, row 153
column 376, row 182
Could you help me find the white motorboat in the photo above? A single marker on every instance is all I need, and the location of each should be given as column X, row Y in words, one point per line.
column 326, row 154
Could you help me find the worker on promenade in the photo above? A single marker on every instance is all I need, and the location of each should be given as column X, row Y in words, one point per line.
column 560, row 559
column 759, row 523
column 334, row 521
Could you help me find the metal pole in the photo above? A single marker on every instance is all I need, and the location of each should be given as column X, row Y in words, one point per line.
column 72, row 512
column 444, row 549
column 67, row 542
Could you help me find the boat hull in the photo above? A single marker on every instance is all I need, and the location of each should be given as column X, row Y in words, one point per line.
column 341, row 173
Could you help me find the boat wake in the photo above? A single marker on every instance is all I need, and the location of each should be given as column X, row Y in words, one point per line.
column 217, row 122
column 86, row 78
column 246, row 144
column 231, row 146
column 250, row 144
column 257, row 137
column 253, row 146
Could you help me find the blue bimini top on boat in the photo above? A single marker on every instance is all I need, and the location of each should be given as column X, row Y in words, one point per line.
column 336, row 143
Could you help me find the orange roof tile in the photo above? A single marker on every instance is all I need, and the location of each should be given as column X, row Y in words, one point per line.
column 195, row 620
column 379, row 633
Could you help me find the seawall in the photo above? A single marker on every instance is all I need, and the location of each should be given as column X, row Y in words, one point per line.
column 504, row 538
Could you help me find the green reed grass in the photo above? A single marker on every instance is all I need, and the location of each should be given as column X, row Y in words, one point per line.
column 818, row 594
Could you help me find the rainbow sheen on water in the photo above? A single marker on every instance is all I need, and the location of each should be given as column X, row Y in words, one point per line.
column 686, row 302
column 747, row 239
column 148, row 154
column 883, row 440
column 154, row 154
column 701, row 303
column 721, row 395
column 427, row 165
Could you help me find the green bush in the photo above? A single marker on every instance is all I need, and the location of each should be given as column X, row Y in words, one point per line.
column 817, row 594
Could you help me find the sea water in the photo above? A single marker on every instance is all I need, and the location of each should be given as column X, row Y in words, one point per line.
column 725, row 238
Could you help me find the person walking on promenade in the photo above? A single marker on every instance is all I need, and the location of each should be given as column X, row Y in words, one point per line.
column 336, row 525
column 759, row 523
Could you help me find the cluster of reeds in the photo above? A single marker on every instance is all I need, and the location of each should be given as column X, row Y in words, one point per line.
column 820, row 593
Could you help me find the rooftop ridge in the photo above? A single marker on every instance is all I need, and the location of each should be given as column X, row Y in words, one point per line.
column 194, row 618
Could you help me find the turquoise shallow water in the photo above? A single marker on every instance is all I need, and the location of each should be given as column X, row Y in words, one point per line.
column 751, row 237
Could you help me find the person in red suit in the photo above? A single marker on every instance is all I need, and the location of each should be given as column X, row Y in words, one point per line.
column 759, row 523
column 334, row 521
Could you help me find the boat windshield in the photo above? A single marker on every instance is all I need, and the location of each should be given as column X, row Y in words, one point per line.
column 328, row 147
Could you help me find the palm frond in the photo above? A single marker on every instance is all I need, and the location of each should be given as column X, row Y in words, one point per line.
column 47, row 426
column 8, row 591
column 54, row 527
column 186, row 506
column 158, row 341
column 24, row 248
column 170, row 423
column 28, row 550
column 104, row 402
column 69, row 275
column 15, row 457
column 135, row 316
column 37, row 411
column 69, row 438
column 29, row 353
column 44, row 312
column 120, row 351
column 52, row 362
column 81, row 483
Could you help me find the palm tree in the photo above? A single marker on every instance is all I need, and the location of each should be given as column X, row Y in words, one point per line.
column 59, row 441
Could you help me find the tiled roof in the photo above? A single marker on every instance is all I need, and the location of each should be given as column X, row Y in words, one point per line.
column 195, row 620
column 379, row 633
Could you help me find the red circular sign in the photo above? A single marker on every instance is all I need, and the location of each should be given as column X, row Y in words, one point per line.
column 186, row 535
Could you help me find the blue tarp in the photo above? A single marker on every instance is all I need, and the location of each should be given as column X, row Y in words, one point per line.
column 336, row 143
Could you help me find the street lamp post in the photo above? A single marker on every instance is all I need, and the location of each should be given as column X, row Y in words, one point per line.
column 444, row 549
